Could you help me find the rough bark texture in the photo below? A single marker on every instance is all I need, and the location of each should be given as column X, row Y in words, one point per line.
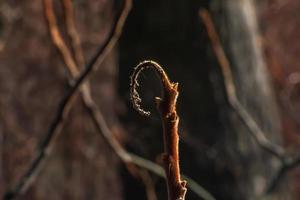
column 237, row 25
column 32, row 81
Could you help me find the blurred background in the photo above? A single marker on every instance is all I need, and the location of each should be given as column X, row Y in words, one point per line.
column 260, row 40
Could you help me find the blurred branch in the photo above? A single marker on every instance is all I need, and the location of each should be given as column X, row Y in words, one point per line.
column 149, row 185
column 72, row 32
column 287, row 165
column 65, row 104
column 57, row 38
column 287, row 162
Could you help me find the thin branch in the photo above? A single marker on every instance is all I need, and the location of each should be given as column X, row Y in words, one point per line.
column 234, row 102
column 167, row 108
column 149, row 184
column 57, row 38
column 65, row 104
column 287, row 165
column 72, row 32
column 62, row 47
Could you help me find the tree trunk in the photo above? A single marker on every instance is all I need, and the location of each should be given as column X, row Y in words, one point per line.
column 237, row 27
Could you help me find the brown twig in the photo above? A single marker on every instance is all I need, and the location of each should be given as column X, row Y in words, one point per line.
column 65, row 104
column 72, row 65
column 167, row 108
column 287, row 161
column 57, row 38
column 146, row 179
column 72, row 32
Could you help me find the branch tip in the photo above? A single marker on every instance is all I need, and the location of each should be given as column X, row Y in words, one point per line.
column 134, row 95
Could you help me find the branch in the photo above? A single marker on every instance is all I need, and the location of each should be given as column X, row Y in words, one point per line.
column 57, row 38
column 65, row 104
column 167, row 108
column 72, row 32
column 148, row 182
column 287, row 165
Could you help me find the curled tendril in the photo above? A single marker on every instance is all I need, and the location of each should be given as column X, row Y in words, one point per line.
column 134, row 95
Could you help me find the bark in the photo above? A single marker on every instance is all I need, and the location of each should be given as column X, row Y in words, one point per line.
column 237, row 25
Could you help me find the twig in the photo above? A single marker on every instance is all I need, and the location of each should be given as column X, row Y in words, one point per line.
column 57, row 38
column 62, row 47
column 149, row 184
column 167, row 108
column 65, row 104
column 287, row 162
column 287, row 165
column 72, row 32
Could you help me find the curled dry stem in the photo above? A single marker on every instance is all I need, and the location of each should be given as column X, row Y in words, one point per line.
column 167, row 109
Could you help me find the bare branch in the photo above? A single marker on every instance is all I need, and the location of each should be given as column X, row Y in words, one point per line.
column 135, row 98
column 287, row 165
column 167, row 108
column 57, row 38
column 72, row 32
column 149, row 184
